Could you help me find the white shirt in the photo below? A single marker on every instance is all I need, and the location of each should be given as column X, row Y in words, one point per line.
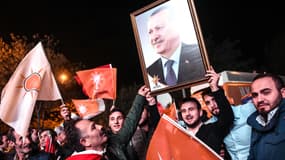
column 270, row 115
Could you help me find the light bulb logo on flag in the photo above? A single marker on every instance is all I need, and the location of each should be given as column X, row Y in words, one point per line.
column 31, row 83
column 97, row 79
column 88, row 108
column 98, row 82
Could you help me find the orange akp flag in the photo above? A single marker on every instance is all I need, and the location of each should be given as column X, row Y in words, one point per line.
column 98, row 82
column 88, row 108
column 171, row 141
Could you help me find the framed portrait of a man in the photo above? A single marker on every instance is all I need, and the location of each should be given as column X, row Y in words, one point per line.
column 170, row 45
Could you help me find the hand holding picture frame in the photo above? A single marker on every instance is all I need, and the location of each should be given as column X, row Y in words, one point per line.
column 170, row 45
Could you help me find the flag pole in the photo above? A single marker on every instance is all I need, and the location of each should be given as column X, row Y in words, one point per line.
column 38, row 108
column 62, row 101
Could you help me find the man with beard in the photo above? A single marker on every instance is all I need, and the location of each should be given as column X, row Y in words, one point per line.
column 237, row 142
column 268, row 122
column 191, row 113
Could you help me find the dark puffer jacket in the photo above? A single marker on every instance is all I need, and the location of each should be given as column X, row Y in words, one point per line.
column 268, row 143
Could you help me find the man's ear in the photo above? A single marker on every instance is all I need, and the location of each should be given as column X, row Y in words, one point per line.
column 201, row 112
column 84, row 142
column 283, row 92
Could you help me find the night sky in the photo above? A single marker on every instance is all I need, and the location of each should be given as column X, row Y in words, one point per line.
column 98, row 34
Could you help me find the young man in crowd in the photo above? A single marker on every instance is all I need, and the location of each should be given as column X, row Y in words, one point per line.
column 90, row 141
column 268, row 122
column 191, row 113
column 237, row 142
column 65, row 113
column 137, row 146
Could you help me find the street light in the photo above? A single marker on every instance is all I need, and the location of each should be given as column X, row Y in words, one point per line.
column 63, row 77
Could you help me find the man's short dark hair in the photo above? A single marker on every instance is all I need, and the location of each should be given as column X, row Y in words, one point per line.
column 190, row 99
column 207, row 92
column 73, row 135
column 11, row 135
column 277, row 79
column 64, row 106
column 50, row 131
column 116, row 110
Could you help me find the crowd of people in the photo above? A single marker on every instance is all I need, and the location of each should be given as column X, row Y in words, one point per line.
column 254, row 130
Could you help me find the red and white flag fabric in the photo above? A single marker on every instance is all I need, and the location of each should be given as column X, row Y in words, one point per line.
column 166, row 105
column 105, row 66
column 170, row 142
column 98, row 82
column 88, row 108
column 32, row 80
column 170, row 110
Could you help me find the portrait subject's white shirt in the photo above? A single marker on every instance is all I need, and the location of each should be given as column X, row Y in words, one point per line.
column 175, row 57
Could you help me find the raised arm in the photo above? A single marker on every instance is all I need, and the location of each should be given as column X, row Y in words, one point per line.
column 133, row 117
column 226, row 116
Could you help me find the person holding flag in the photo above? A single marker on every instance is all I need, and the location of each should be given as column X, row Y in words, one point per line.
column 90, row 141
column 98, row 83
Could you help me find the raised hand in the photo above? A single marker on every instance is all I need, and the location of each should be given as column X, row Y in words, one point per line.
column 213, row 79
column 143, row 90
column 151, row 100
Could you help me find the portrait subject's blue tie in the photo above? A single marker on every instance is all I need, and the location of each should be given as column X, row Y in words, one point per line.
column 170, row 74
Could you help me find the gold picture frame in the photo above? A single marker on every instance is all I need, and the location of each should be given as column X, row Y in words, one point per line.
column 152, row 29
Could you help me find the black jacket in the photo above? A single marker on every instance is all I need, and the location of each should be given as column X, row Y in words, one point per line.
column 213, row 134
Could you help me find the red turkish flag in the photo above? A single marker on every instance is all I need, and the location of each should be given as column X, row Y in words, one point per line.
column 105, row 66
column 171, row 141
column 98, row 82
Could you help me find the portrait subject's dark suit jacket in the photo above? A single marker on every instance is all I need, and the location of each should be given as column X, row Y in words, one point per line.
column 191, row 66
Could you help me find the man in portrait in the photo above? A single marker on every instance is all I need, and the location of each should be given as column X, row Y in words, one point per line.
column 179, row 62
